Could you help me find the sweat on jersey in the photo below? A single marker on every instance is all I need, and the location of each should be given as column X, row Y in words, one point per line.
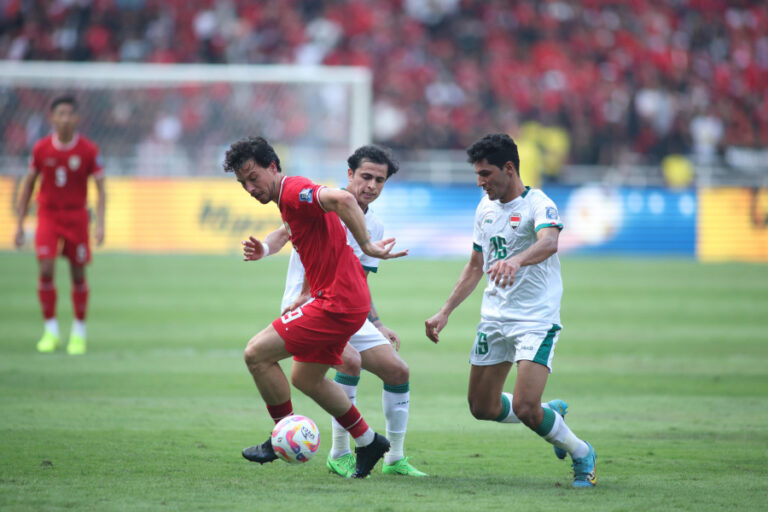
column 505, row 229
column 336, row 279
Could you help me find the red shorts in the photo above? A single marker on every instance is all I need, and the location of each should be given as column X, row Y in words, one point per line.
column 314, row 335
column 71, row 226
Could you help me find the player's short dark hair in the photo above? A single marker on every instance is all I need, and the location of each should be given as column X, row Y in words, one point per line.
column 256, row 148
column 376, row 155
column 497, row 149
column 64, row 100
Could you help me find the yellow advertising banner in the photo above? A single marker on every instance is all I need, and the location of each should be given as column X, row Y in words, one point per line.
column 209, row 215
column 733, row 224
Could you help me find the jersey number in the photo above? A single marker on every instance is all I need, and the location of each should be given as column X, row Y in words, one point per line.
column 481, row 344
column 292, row 315
column 499, row 247
column 61, row 176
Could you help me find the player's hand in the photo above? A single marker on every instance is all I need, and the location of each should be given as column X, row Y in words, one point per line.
column 434, row 325
column 503, row 272
column 98, row 233
column 252, row 249
column 18, row 240
column 300, row 301
column 391, row 335
column 382, row 249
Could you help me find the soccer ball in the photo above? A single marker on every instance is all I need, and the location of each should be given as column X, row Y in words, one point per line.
column 295, row 439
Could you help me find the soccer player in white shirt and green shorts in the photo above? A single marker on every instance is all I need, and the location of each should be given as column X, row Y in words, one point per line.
column 374, row 347
column 515, row 243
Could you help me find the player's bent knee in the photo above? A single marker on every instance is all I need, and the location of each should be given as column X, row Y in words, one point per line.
column 398, row 374
column 482, row 411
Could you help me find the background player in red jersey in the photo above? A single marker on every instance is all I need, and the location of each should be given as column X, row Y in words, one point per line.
column 64, row 160
column 314, row 334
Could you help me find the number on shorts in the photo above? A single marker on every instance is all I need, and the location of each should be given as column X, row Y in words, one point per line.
column 61, row 176
column 291, row 315
column 481, row 344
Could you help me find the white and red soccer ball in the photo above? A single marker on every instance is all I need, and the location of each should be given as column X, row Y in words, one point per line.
column 295, row 439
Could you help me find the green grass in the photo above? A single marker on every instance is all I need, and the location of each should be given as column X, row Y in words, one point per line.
column 663, row 362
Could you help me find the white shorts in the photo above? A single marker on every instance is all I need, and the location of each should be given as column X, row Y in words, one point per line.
column 367, row 337
column 498, row 342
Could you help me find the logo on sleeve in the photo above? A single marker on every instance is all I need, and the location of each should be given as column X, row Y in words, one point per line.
column 306, row 195
column 514, row 220
column 552, row 213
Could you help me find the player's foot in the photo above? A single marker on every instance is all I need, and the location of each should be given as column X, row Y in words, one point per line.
column 261, row 453
column 560, row 407
column 368, row 456
column 76, row 345
column 584, row 473
column 48, row 343
column 343, row 466
column 401, row 467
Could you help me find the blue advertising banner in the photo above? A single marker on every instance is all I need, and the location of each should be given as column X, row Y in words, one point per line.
column 435, row 221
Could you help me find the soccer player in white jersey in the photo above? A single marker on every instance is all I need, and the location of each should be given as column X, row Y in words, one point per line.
column 374, row 346
column 515, row 244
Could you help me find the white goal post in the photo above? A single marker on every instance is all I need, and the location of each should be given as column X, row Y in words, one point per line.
column 177, row 119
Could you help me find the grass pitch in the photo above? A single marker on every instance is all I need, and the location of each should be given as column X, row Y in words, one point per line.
column 664, row 365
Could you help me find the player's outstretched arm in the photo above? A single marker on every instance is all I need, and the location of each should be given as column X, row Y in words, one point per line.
column 346, row 207
column 26, row 194
column 254, row 250
column 468, row 279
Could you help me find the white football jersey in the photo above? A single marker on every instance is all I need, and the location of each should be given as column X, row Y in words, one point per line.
column 294, row 278
column 505, row 229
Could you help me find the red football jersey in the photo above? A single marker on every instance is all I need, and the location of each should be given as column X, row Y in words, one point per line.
column 64, row 171
column 335, row 275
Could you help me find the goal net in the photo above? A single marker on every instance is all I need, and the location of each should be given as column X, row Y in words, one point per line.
column 178, row 120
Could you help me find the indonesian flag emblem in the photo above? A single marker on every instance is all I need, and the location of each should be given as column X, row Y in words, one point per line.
column 514, row 220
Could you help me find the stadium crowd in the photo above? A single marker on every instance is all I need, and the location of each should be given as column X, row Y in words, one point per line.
column 629, row 81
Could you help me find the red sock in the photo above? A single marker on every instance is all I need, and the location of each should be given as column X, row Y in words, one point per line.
column 80, row 299
column 46, row 292
column 280, row 411
column 353, row 422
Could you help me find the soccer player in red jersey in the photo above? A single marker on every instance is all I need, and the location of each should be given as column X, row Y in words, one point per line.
column 316, row 333
column 64, row 161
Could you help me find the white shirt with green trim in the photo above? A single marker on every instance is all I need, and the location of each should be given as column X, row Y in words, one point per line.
column 505, row 229
column 294, row 278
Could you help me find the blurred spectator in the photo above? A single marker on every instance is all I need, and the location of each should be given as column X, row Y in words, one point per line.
column 627, row 81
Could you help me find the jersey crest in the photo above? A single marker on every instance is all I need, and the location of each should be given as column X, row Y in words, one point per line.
column 514, row 219
column 74, row 162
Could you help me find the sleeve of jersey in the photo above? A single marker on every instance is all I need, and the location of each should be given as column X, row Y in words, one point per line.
column 545, row 214
column 477, row 232
column 370, row 263
column 301, row 195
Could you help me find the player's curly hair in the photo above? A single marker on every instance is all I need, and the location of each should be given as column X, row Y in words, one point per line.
column 256, row 148
column 376, row 155
column 497, row 149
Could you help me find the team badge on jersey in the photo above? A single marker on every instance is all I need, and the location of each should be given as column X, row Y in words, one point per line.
column 514, row 220
column 552, row 213
column 74, row 162
column 306, row 195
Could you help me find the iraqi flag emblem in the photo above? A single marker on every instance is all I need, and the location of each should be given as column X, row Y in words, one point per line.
column 514, row 220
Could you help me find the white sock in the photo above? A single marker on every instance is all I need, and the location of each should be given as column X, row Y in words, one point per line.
column 52, row 326
column 78, row 327
column 365, row 439
column 395, row 403
column 340, row 436
column 562, row 437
